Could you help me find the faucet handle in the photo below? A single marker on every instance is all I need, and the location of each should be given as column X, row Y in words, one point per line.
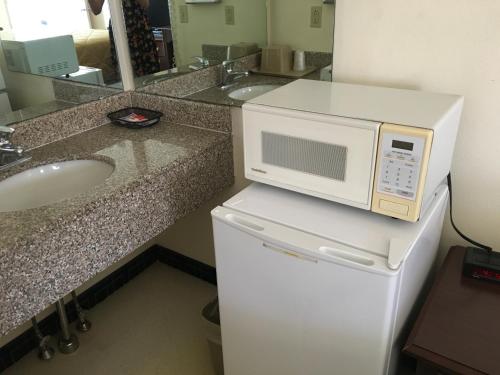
column 6, row 129
column 202, row 60
column 228, row 64
column 5, row 133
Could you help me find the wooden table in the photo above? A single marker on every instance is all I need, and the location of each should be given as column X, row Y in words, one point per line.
column 458, row 329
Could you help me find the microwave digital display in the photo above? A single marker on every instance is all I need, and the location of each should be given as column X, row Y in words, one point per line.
column 402, row 145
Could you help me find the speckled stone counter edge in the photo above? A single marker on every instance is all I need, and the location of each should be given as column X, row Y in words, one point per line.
column 180, row 190
column 116, row 226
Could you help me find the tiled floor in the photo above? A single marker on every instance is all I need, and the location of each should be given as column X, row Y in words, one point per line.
column 150, row 326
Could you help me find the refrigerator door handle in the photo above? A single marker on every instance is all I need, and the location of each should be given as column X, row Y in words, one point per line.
column 289, row 252
column 244, row 222
column 305, row 247
column 340, row 254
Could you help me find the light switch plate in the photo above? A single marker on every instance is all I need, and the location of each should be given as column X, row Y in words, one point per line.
column 229, row 13
column 316, row 16
column 183, row 14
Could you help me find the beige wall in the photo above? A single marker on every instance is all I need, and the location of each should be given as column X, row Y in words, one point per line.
column 291, row 25
column 207, row 26
column 447, row 46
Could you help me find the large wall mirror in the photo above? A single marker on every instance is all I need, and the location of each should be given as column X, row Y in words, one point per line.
column 54, row 54
column 182, row 36
column 59, row 53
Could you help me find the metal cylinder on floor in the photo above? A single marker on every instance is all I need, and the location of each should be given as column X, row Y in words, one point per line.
column 68, row 342
column 45, row 351
column 83, row 324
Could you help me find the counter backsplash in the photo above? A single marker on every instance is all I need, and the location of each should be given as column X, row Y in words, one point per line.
column 62, row 124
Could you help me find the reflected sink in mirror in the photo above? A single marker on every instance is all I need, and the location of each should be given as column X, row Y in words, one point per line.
column 51, row 183
column 247, row 93
column 240, row 91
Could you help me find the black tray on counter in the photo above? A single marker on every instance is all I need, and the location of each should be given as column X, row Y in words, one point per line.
column 135, row 117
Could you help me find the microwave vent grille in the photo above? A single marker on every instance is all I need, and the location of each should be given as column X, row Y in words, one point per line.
column 304, row 155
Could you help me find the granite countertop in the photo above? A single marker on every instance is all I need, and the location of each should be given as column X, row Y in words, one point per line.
column 216, row 95
column 161, row 174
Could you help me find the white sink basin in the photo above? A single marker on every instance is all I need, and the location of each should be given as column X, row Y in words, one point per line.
column 247, row 93
column 51, row 183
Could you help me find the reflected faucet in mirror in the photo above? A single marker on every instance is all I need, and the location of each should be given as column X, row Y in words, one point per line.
column 201, row 62
column 255, row 27
column 10, row 154
column 229, row 75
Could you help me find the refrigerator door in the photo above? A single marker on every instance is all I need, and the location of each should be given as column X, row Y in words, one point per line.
column 366, row 231
column 318, row 309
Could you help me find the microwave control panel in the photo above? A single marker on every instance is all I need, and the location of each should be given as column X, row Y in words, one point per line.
column 399, row 172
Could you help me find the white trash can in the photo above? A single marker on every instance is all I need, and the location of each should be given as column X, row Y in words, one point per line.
column 211, row 318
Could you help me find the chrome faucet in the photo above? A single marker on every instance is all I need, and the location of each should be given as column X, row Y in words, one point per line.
column 10, row 154
column 229, row 75
column 201, row 62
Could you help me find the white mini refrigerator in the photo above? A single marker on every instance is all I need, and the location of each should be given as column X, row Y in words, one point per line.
column 308, row 286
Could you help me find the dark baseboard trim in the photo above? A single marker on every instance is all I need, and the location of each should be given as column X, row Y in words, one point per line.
column 26, row 342
column 186, row 264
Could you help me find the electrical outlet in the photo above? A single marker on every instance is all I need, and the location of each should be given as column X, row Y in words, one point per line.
column 316, row 16
column 183, row 14
column 229, row 12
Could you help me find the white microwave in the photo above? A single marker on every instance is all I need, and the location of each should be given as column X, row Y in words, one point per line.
column 380, row 149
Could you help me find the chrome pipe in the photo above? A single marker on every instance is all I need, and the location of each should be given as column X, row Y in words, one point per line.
column 45, row 351
column 68, row 342
column 83, row 324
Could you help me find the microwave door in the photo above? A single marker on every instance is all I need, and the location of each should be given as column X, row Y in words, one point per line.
column 329, row 157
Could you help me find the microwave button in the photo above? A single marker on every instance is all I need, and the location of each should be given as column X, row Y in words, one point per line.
column 403, row 193
column 397, row 208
